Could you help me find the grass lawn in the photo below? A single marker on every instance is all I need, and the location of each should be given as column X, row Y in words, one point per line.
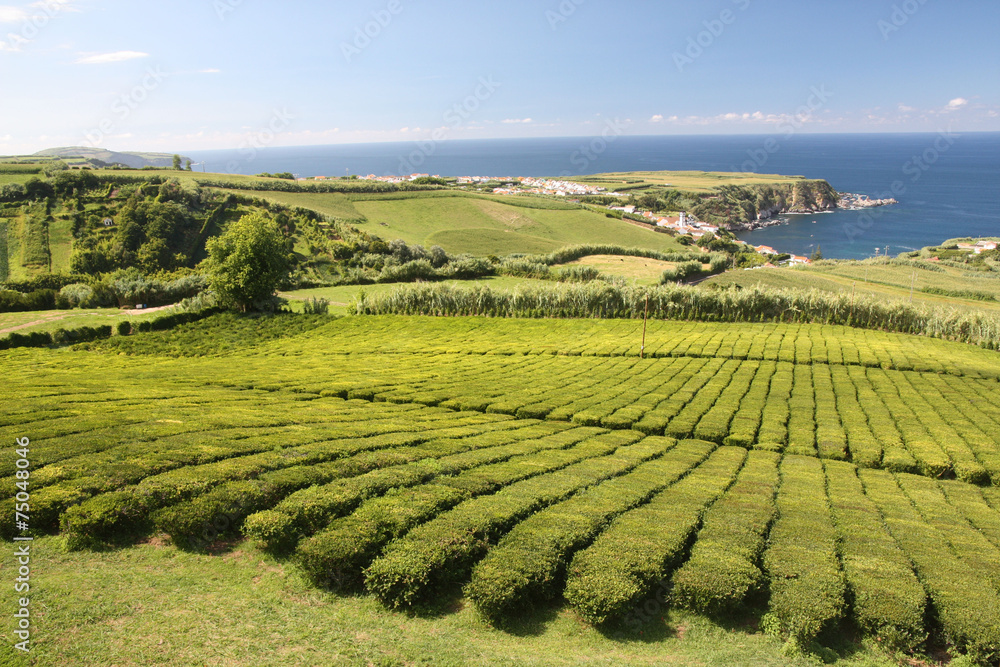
column 482, row 227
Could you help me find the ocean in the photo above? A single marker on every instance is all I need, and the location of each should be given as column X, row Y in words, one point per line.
column 948, row 184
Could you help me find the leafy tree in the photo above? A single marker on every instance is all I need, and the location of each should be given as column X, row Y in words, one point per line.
column 38, row 189
column 248, row 261
column 818, row 255
column 177, row 162
column 188, row 167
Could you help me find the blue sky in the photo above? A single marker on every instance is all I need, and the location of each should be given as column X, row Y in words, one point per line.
column 203, row 74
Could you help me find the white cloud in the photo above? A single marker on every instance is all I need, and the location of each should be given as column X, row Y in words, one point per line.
column 12, row 14
column 957, row 103
column 906, row 109
column 116, row 57
column 513, row 121
column 658, row 118
column 211, row 70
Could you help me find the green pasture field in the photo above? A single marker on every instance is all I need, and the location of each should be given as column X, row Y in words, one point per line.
column 883, row 281
column 482, row 227
column 639, row 269
column 51, row 320
column 688, row 181
column 397, row 490
column 333, row 204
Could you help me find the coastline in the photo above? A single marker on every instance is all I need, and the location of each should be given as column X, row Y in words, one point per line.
column 847, row 202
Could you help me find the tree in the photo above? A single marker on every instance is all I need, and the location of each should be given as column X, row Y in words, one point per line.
column 177, row 162
column 818, row 255
column 189, row 165
column 248, row 261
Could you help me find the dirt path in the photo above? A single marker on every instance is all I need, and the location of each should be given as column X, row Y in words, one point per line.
column 62, row 315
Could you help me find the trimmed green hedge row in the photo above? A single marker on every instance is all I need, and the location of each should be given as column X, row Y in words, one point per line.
column 865, row 450
column 975, row 508
column 831, row 436
column 774, row 420
column 966, row 610
column 642, row 547
column 340, row 552
column 747, row 420
column 969, row 544
column 131, row 463
column 967, row 468
column 887, row 601
column 807, row 586
column 714, row 424
column 895, row 456
column 441, row 552
column 528, row 564
column 724, row 566
column 120, row 513
column 365, row 474
column 308, row 511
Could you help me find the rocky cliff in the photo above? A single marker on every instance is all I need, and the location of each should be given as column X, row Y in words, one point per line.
column 746, row 206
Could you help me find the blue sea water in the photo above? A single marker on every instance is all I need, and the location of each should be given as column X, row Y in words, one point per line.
column 948, row 184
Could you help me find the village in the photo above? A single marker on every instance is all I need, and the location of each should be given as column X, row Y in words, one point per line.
column 682, row 224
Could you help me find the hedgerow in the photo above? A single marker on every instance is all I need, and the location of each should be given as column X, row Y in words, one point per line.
column 807, row 585
column 441, row 552
column 342, row 550
column 887, row 601
column 309, row 511
column 724, row 567
column 967, row 612
column 641, row 547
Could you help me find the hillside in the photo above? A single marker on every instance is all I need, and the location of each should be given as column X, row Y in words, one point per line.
column 527, row 486
column 102, row 156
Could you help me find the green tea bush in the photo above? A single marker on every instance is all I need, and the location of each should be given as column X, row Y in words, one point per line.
column 643, row 546
column 807, row 585
column 723, row 570
column 887, row 600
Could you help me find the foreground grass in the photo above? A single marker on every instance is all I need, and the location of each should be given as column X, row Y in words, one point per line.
column 155, row 605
